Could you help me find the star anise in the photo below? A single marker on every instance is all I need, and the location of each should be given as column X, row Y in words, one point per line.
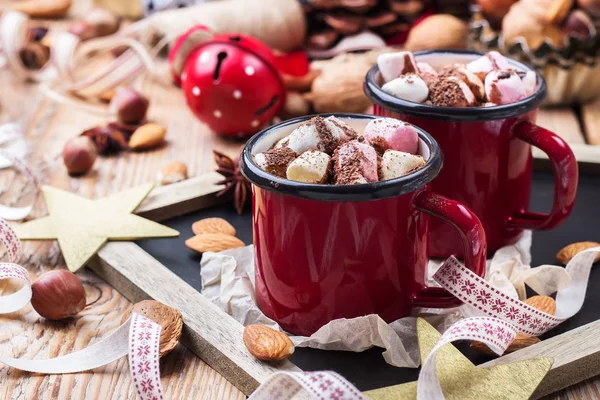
column 235, row 183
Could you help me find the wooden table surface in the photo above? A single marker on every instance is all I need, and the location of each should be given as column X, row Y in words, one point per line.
column 24, row 334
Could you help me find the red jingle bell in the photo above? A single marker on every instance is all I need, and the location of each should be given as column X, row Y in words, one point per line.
column 231, row 84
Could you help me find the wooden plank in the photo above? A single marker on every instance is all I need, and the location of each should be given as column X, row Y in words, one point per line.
column 208, row 331
column 166, row 202
column 576, row 355
column 563, row 122
column 590, row 115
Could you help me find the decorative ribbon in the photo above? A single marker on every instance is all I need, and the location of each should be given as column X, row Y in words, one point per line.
column 12, row 149
column 139, row 337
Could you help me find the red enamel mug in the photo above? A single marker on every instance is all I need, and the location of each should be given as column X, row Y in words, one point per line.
column 487, row 158
column 341, row 251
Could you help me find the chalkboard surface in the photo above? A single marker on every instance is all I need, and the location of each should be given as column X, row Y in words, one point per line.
column 368, row 370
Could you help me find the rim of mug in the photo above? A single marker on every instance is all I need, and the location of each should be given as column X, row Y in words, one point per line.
column 466, row 114
column 327, row 192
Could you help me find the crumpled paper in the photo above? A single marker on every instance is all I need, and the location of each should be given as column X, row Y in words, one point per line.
column 228, row 281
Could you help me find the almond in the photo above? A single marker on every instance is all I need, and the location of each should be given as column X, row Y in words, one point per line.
column 213, row 225
column 213, row 242
column 567, row 253
column 147, row 136
column 167, row 317
column 521, row 341
column 266, row 343
column 543, row 303
column 175, row 171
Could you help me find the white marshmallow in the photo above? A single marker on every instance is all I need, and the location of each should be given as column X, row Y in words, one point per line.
column 408, row 87
column 281, row 142
column 488, row 63
column 304, row 138
column 339, row 129
column 392, row 65
column 395, row 164
column 261, row 160
column 466, row 91
column 309, row 167
column 473, row 82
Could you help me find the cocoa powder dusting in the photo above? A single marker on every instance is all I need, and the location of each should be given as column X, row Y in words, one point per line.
column 278, row 160
column 348, row 131
column 379, row 144
column 347, row 169
column 446, row 93
column 328, row 142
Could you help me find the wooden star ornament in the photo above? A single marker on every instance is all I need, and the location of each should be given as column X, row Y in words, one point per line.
column 82, row 225
column 461, row 379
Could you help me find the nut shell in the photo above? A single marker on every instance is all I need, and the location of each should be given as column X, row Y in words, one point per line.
column 214, row 242
column 567, row 253
column 58, row 295
column 213, row 225
column 542, row 303
column 147, row 136
column 427, row 36
column 167, row 317
column 79, row 155
column 266, row 343
column 129, row 105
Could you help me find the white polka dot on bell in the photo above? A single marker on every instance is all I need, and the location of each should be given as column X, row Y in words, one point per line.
column 204, row 57
column 217, row 114
column 237, row 94
column 249, row 70
column 196, row 91
column 255, row 123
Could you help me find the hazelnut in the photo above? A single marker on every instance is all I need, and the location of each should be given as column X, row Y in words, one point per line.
column 129, row 105
column 579, row 24
column 57, row 295
column 79, row 155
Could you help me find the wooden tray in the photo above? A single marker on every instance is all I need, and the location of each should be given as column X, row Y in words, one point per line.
column 138, row 271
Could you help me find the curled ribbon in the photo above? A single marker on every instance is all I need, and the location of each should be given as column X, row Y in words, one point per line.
column 138, row 338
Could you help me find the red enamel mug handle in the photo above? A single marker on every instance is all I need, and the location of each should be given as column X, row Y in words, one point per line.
column 566, row 177
column 473, row 237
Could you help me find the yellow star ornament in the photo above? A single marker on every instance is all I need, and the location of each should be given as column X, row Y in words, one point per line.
column 82, row 225
column 461, row 380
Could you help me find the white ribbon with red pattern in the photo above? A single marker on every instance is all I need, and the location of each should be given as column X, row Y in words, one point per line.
column 139, row 337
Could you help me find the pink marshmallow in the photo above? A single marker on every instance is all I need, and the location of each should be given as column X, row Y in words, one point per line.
column 349, row 154
column 529, row 82
column 504, row 87
column 390, row 133
column 393, row 65
column 426, row 68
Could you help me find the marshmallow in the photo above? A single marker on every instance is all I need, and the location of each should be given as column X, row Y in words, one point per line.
column 408, row 87
column 469, row 78
column 451, row 92
column 389, row 133
column 355, row 162
column 395, row 164
column 426, row 68
column 529, row 82
column 310, row 167
column 393, row 65
column 340, row 130
column 490, row 62
column 319, row 134
column 276, row 160
column 504, row 87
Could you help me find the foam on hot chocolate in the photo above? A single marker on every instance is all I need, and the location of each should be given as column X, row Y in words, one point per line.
column 336, row 154
column 487, row 80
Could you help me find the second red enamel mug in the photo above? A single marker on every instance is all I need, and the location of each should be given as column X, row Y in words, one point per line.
column 487, row 157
